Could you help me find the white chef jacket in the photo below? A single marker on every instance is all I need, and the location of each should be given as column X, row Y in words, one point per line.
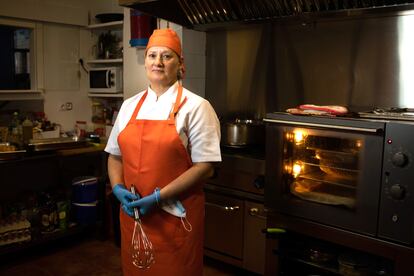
column 196, row 122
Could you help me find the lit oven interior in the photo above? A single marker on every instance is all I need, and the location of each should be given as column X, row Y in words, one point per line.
column 321, row 168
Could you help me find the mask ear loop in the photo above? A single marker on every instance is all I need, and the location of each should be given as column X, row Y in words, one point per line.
column 185, row 223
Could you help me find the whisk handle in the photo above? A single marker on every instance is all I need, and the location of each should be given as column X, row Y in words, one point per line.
column 136, row 211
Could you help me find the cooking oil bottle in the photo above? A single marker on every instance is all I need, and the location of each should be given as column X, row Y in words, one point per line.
column 27, row 130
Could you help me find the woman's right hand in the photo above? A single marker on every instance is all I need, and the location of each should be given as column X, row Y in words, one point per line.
column 124, row 196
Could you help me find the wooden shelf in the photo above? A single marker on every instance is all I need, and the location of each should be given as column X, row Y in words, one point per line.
column 117, row 26
column 114, row 25
column 14, row 95
column 104, row 61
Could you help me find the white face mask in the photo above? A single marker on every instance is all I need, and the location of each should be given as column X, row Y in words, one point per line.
column 175, row 208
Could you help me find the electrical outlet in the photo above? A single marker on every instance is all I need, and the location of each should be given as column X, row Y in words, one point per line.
column 66, row 106
column 69, row 105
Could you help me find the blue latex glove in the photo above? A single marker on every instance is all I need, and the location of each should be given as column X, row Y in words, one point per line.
column 124, row 196
column 128, row 211
column 146, row 203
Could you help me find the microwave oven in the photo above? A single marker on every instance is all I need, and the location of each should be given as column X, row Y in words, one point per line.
column 105, row 80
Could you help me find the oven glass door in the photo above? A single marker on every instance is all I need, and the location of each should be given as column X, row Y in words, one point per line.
column 322, row 167
column 325, row 175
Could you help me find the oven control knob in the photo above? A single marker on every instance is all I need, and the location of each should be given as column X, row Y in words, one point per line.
column 399, row 159
column 397, row 192
column 259, row 182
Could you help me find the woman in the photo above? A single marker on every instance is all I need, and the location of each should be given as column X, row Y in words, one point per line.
column 163, row 143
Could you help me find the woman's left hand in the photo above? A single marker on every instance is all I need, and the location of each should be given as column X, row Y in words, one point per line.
column 146, row 203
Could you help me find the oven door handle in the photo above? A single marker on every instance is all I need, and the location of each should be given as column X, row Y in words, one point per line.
column 225, row 208
column 363, row 129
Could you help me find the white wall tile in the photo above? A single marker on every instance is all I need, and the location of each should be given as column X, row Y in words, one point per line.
column 194, row 42
column 196, row 85
column 195, row 66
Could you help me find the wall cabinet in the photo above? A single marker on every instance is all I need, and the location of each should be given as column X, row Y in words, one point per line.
column 61, row 47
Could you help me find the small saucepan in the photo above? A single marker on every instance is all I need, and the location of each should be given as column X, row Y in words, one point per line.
column 242, row 133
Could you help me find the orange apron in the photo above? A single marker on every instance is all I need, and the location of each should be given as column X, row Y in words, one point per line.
column 153, row 155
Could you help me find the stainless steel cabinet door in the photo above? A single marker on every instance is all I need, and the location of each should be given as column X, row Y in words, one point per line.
column 254, row 239
column 224, row 225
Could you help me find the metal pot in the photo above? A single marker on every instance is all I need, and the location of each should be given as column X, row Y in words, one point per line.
column 242, row 133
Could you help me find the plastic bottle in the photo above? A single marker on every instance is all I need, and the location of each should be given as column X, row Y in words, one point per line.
column 80, row 129
column 15, row 129
column 48, row 213
column 27, row 129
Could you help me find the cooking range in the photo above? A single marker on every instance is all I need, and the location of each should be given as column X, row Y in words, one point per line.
column 354, row 174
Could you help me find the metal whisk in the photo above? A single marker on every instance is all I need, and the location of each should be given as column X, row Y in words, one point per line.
column 142, row 251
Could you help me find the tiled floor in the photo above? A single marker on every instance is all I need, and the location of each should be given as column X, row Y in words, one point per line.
column 86, row 257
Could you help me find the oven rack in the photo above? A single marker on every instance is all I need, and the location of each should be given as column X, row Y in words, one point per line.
column 321, row 193
column 319, row 175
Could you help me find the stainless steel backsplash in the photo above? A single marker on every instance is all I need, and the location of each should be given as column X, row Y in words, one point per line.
column 356, row 62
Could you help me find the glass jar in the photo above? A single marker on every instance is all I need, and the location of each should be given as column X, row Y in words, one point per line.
column 98, row 113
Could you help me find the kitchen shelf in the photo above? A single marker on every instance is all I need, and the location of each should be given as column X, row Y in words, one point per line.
column 95, row 29
column 15, row 95
column 16, row 248
column 114, row 25
column 104, row 61
column 106, row 95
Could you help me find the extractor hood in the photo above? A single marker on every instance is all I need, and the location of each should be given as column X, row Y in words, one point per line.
column 206, row 14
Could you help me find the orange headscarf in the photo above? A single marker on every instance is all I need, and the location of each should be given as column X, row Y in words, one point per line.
column 167, row 38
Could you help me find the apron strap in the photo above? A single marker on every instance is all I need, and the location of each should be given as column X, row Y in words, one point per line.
column 177, row 105
column 138, row 107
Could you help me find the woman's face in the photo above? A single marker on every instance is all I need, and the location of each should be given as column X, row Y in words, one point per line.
column 162, row 65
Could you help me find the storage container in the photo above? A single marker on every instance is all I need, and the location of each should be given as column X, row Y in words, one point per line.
column 85, row 189
column 85, row 213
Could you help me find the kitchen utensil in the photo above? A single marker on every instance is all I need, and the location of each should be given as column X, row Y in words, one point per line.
column 56, row 143
column 242, row 133
column 142, row 251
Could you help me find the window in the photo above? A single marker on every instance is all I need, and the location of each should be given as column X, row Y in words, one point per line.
column 19, row 49
column 15, row 58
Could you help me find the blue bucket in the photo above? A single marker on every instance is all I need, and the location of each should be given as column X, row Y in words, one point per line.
column 85, row 189
column 85, row 213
